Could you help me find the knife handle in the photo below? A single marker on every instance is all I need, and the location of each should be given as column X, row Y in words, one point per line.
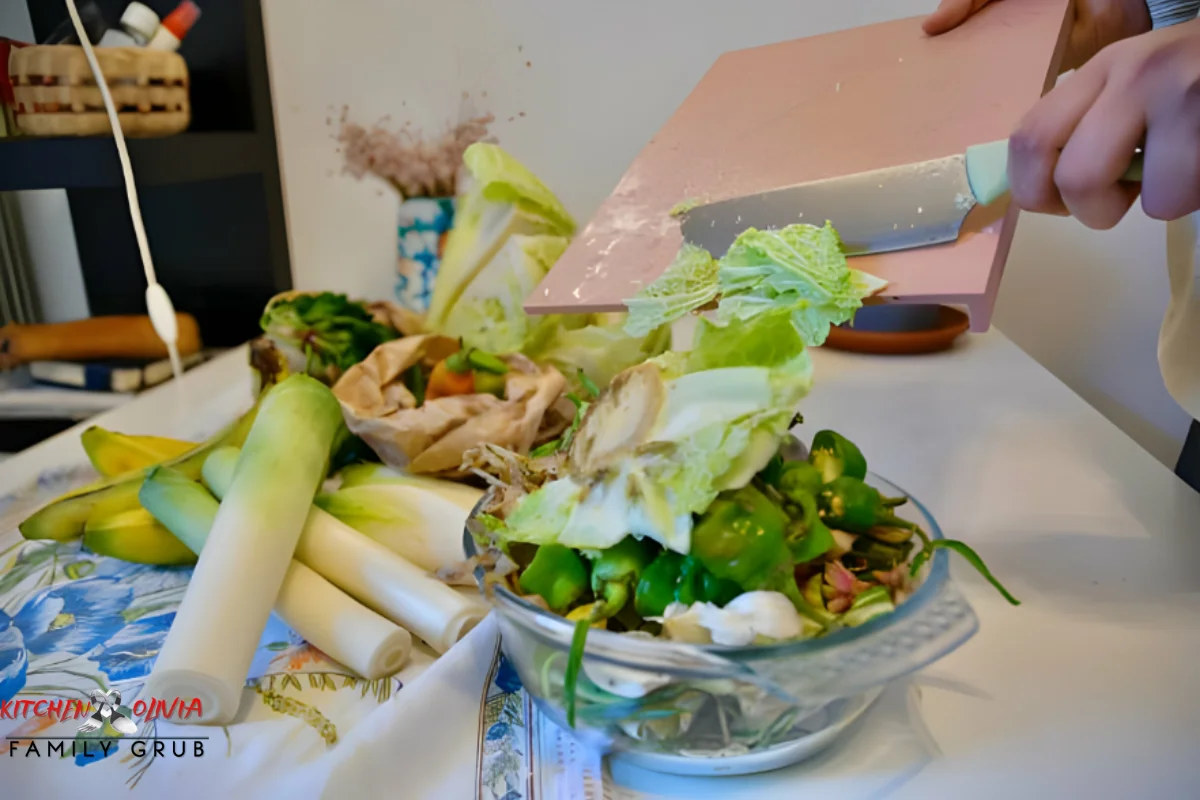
column 987, row 170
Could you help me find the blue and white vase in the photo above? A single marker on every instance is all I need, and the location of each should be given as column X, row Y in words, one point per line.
column 423, row 225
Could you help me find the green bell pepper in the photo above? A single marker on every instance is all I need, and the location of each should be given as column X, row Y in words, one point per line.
column 557, row 574
column 673, row 578
column 616, row 572
column 835, row 455
column 698, row 585
column 656, row 589
column 741, row 538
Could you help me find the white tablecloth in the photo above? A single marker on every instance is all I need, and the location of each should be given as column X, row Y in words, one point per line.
column 1088, row 689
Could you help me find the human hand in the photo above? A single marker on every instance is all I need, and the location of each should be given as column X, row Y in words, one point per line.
column 1069, row 152
column 1095, row 24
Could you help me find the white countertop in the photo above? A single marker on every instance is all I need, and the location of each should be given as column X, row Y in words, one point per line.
column 1090, row 688
column 218, row 389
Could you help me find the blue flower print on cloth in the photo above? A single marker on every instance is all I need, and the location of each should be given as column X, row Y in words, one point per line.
column 13, row 661
column 130, row 654
column 74, row 617
column 423, row 222
column 147, row 581
column 506, row 679
column 504, row 746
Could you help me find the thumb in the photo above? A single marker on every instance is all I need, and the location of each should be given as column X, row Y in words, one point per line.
column 950, row 14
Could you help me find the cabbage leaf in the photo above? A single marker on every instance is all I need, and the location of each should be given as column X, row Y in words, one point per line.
column 799, row 268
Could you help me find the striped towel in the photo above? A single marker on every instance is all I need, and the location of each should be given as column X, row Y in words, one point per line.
column 1165, row 13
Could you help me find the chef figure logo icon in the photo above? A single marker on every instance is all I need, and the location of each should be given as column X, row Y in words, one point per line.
column 108, row 710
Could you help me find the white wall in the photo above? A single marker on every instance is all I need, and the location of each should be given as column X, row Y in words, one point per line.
column 603, row 76
column 1087, row 305
column 47, row 219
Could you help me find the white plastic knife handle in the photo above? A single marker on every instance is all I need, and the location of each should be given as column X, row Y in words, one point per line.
column 987, row 170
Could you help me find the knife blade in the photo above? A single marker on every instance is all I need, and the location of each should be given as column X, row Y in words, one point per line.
column 895, row 208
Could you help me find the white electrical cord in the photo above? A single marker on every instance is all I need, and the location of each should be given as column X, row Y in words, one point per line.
column 158, row 304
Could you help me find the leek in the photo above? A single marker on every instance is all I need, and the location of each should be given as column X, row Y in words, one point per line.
column 423, row 526
column 324, row 615
column 216, row 631
column 421, row 519
column 370, row 572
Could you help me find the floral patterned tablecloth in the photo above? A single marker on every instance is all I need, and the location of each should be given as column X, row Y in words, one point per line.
column 72, row 622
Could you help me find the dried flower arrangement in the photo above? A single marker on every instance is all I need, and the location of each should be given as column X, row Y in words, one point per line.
column 414, row 165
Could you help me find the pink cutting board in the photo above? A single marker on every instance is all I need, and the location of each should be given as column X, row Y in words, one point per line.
column 821, row 107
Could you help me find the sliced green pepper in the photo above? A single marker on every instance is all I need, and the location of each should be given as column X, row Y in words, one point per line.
column 557, row 574
column 848, row 504
column 808, row 537
column 799, row 478
column 835, row 455
column 881, row 556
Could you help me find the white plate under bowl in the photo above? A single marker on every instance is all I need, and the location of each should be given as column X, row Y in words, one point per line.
column 777, row 757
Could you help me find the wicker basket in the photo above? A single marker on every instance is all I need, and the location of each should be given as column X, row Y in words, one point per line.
column 55, row 93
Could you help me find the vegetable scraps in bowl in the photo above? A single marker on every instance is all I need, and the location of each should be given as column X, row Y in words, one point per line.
column 673, row 512
column 321, row 334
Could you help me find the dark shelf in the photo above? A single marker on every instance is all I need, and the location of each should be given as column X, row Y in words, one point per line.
column 217, row 53
column 91, row 162
column 211, row 197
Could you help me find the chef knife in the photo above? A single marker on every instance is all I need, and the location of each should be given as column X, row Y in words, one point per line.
column 897, row 208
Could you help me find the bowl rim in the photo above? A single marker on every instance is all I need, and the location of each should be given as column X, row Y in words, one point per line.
column 936, row 576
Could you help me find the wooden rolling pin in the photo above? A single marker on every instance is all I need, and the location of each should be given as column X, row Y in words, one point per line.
column 87, row 339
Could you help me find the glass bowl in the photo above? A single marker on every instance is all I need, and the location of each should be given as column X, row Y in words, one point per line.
column 712, row 709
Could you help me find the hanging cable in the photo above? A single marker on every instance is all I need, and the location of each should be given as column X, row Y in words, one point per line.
column 158, row 304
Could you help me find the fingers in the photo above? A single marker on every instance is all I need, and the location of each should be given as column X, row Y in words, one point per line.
column 1089, row 170
column 950, row 14
column 1171, row 175
column 1034, row 148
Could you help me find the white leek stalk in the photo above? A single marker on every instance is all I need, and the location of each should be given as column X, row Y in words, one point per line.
column 208, row 651
column 421, row 519
column 323, row 614
column 371, row 573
